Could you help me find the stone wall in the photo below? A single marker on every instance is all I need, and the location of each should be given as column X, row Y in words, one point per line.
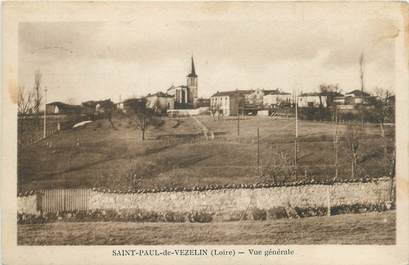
column 225, row 200
column 229, row 200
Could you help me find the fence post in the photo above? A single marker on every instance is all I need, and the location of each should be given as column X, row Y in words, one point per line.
column 39, row 199
column 328, row 200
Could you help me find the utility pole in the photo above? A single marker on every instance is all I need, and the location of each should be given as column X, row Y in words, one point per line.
column 336, row 143
column 238, row 117
column 45, row 114
column 258, row 151
column 296, row 130
column 361, row 64
column 296, row 114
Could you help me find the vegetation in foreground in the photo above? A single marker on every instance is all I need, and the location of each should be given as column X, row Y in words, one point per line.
column 367, row 228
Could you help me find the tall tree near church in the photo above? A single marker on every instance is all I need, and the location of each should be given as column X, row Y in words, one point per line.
column 362, row 72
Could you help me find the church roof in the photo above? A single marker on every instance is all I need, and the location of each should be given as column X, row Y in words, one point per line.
column 160, row 94
column 232, row 93
column 193, row 71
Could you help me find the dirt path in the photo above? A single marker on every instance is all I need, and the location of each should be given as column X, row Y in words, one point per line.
column 202, row 126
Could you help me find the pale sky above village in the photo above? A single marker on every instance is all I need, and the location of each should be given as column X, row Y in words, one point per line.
column 95, row 60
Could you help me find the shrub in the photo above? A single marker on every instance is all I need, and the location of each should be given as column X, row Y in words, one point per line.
column 200, row 217
column 259, row 214
column 276, row 213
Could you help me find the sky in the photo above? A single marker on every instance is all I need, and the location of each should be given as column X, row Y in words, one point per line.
column 120, row 59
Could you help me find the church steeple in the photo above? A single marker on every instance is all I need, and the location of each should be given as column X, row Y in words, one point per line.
column 192, row 84
column 193, row 71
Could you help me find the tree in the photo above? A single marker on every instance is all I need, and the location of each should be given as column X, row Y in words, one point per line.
column 215, row 110
column 352, row 136
column 108, row 108
column 37, row 92
column 24, row 101
column 384, row 105
column 143, row 115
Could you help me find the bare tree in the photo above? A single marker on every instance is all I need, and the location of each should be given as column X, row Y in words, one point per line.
column 37, row 92
column 108, row 108
column 24, row 101
column 143, row 115
column 215, row 110
column 352, row 136
column 383, row 105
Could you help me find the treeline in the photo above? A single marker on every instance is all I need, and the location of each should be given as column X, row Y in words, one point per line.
column 372, row 115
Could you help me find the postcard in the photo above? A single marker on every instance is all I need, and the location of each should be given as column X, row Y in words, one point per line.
column 205, row 133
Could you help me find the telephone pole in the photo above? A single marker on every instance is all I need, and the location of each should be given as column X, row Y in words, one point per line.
column 258, row 151
column 238, row 118
column 296, row 130
column 362, row 72
column 336, row 143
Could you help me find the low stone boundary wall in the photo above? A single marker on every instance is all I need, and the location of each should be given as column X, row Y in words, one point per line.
column 227, row 200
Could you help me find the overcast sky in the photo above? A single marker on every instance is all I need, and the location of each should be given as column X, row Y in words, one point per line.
column 94, row 60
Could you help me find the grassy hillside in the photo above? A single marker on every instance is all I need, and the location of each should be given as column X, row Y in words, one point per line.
column 176, row 154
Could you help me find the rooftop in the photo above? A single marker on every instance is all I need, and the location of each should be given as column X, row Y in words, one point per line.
column 160, row 94
column 231, row 93
column 60, row 104
column 358, row 93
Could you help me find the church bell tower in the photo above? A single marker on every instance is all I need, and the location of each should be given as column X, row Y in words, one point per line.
column 192, row 85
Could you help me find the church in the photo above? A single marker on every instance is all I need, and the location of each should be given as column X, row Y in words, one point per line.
column 186, row 95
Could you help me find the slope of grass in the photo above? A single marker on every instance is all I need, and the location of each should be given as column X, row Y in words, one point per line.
column 176, row 154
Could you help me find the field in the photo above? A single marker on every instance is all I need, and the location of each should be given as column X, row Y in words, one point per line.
column 369, row 228
column 176, row 154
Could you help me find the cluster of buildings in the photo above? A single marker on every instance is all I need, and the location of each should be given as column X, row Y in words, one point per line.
column 260, row 101
column 229, row 103
column 182, row 99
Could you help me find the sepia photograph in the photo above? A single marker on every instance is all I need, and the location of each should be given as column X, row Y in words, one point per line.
column 207, row 123
column 199, row 132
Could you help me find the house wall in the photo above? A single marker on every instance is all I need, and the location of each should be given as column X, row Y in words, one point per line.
column 305, row 101
column 255, row 98
column 163, row 103
column 274, row 99
column 52, row 109
column 222, row 103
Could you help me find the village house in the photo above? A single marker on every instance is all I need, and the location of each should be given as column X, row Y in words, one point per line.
column 62, row 108
column 254, row 97
column 203, row 102
column 128, row 104
column 227, row 103
column 275, row 97
column 357, row 97
column 160, row 102
column 96, row 108
column 312, row 100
